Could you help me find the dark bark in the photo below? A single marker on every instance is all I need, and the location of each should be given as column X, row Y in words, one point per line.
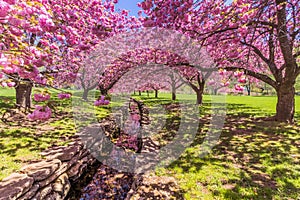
column 200, row 92
column 199, row 89
column 23, row 95
column 140, row 93
column 85, row 94
column 248, row 87
column 104, row 92
column 199, row 97
column 173, row 94
column 215, row 91
column 147, row 93
column 173, row 87
column 285, row 108
column 156, row 93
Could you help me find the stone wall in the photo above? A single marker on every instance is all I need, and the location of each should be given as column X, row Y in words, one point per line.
column 51, row 178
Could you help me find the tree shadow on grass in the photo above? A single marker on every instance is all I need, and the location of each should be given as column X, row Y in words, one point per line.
column 256, row 159
column 34, row 138
column 157, row 188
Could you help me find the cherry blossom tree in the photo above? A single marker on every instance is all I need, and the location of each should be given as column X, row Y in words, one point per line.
column 43, row 42
column 177, row 71
column 260, row 38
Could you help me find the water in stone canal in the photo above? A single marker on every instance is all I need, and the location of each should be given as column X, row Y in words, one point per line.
column 108, row 183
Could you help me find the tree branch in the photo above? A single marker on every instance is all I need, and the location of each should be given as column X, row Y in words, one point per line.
column 256, row 75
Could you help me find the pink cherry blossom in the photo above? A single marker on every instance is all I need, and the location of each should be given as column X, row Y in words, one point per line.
column 4, row 9
column 41, row 97
column 238, row 73
column 222, row 72
column 64, row 95
column 41, row 113
column 101, row 101
column 3, row 84
column 11, row 84
column 239, row 88
column 225, row 84
column 242, row 79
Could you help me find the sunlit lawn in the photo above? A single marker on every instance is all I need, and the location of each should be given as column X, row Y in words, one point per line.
column 254, row 159
column 20, row 144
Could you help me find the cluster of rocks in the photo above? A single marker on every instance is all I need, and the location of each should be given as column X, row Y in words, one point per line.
column 150, row 186
column 51, row 178
column 108, row 183
column 72, row 172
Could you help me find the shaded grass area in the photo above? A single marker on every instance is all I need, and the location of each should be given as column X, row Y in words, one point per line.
column 254, row 159
column 21, row 143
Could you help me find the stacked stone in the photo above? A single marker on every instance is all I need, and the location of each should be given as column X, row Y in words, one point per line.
column 50, row 178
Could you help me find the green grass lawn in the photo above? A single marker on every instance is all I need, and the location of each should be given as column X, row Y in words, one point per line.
column 254, row 159
column 21, row 143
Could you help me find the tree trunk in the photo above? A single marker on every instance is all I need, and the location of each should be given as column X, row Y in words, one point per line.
column 199, row 97
column 147, row 93
column 173, row 96
column 199, row 92
column 285, row 108
column 133, row 92
column 140, row 93
column 173, row 92
column 23, row 95
column 215, row 91
column 85, row 94
column 248, row 87
column 156, row 93
column 103, row 92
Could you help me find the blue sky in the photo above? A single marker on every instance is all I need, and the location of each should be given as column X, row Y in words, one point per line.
column 129, row 5
column 133, row 8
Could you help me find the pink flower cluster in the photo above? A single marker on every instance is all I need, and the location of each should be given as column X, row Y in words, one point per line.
column 239, row 88
column 4, row 9
column 238, row 73
column 40, row 113
column 41, row 97
column 101, row 101
column 8, row 84
column 225, row 83
column 64, row 96
column 242, row 79
column 211, row 82
column 222, row 72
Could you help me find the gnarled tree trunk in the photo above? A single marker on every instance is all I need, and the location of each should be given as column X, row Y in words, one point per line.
column 23, row 94
column 85, row 94
column 104, row 92
column 248, row 87
column 200, row 93
column 173, row 87
column 285, row 108
column 173, row 96
column 199, row 97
